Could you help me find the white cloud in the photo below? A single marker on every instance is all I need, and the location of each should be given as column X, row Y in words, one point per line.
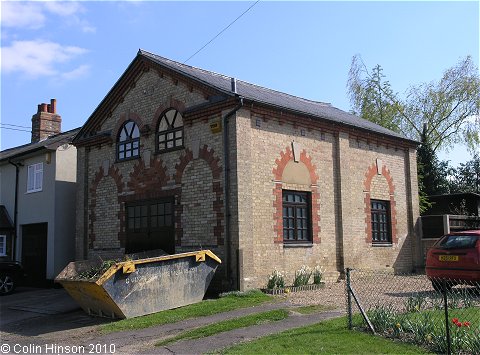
column 63, row 8
column 22, row 14
column 34, row 15
column 40, row 58
column 79, row 72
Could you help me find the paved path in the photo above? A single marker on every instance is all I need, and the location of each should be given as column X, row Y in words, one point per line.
column 143, row 341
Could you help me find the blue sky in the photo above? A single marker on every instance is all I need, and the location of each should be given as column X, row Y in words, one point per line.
column 75, row 51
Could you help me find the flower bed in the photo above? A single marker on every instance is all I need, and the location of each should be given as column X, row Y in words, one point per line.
column 288, row 289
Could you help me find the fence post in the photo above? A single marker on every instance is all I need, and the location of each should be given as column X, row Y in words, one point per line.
column 447, row 322
column 349, row 300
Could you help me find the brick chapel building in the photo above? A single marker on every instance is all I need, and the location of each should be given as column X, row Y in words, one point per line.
column 179, row 158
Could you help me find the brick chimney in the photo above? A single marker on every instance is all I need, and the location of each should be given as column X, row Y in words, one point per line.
column 46, row 122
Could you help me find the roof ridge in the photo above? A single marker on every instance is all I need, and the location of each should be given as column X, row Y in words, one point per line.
column 227, row 77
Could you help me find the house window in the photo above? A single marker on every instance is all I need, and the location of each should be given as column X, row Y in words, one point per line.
column 170, row 131
column 128, row 145
column 3, row 245
column 35, row 177
column 296, row 217
column 381, row 229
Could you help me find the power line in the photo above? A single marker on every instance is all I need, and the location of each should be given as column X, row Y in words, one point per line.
column 13, row 125
column 219, row 33
column 16, row 129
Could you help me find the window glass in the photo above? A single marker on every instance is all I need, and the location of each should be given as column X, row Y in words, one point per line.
column 296, row 216
column 3, row 245
column 458, row 241
column 35, row 177
column 380, row 221
column 128, row 145
column 170, row 131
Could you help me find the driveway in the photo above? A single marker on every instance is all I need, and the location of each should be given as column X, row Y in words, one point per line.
column 42, row 316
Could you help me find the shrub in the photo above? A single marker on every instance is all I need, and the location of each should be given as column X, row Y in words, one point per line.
column 317, row 275
column 276, row 280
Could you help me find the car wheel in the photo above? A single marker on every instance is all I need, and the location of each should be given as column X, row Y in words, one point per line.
column 438, row 285
column 7, row 284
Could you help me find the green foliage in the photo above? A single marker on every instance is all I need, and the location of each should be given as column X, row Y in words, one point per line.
column 226, row 303
column 95, row 272
column 317, row 275
column 448, row 107
column 302, row 276
column 326, row 337
column 466, row 177
column 276, row 280
column 230, row 324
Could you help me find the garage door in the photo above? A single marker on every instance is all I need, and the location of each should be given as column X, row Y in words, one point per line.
column 150, row 225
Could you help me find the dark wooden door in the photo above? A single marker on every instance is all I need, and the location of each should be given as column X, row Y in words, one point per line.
column 34, row 253
column 150, row 226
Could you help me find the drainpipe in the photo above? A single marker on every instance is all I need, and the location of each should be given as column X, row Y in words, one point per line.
column 15, row 208
column 226, row 164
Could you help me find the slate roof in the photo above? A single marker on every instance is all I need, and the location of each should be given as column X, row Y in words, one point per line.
column 271, row 97
column 5, row 220
column 51, row 142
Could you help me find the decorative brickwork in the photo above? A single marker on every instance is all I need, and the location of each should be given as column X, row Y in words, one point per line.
column 174, row 103
column 130, row 116
column 369, row 177
column 113, row 173
column 281, row 163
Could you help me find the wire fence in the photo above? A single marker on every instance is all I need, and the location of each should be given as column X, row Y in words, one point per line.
column 443, row 317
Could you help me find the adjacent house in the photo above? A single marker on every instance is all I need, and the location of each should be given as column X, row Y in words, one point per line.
column 180, row 158
column 37, row 198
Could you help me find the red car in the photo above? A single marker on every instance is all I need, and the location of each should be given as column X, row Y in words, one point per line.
column 455, row 258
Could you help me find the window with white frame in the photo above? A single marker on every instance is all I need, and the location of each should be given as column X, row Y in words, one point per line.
column 3, row 245
column 35, row 177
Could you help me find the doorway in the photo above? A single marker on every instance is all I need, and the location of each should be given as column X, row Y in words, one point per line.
column 34, row 253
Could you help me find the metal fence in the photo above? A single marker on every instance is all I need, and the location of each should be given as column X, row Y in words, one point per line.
column 444, row 319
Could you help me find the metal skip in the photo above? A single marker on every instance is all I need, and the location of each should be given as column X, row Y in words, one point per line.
column 134, row 288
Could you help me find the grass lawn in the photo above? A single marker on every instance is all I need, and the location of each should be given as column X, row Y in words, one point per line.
column 230, row 324
column 328, row 337
column 226, row 303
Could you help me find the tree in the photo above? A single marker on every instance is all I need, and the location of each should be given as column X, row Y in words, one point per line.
column 466, row 177
column 450, row 107
column 432, row 173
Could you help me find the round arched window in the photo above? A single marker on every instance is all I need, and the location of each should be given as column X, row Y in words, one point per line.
column 128, row 143
column 170, row 131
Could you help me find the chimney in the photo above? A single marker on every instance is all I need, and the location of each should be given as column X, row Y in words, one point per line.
column 234, row 85
column 46, row 122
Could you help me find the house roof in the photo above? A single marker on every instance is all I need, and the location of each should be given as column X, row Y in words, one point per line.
column 223, row 85
column 52, row 142
column 271, row 97
column 5, row 220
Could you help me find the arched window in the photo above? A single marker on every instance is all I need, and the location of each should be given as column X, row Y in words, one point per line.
column 128, row 143
column 170, row 131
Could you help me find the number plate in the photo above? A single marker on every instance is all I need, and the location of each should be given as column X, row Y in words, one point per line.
column 448, row 258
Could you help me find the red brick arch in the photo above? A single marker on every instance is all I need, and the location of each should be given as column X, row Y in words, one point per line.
column 114, row 173
column 285, row 157
column 124, row 117
column 371, row 172
column 214, row 162
column 174, row 103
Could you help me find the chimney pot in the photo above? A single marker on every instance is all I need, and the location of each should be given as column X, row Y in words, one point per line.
column 44, row 107
column 53, row 105
column 234, row 85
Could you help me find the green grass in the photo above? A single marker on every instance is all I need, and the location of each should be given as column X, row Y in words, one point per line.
column 224, row 326
column 313, row 309
column 437, row 316
column 328, row 337
column 227, row 303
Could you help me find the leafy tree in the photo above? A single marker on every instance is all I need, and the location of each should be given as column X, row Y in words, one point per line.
column 466, row 177
column 449, row 107
column 432, row 173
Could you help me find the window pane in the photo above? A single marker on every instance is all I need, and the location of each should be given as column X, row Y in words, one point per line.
column 136, row 132
column 163, row 126
column 168, row 220
column 153, row 222
column 178, row 120
column 169, row 144
column 178, row 143
column 161, row 221
column 168, row 208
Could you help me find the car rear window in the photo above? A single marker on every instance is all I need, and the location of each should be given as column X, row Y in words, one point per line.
column 458, row 241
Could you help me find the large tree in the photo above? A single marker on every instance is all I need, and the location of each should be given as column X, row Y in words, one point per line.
column 466, row 177
column 448, row 107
